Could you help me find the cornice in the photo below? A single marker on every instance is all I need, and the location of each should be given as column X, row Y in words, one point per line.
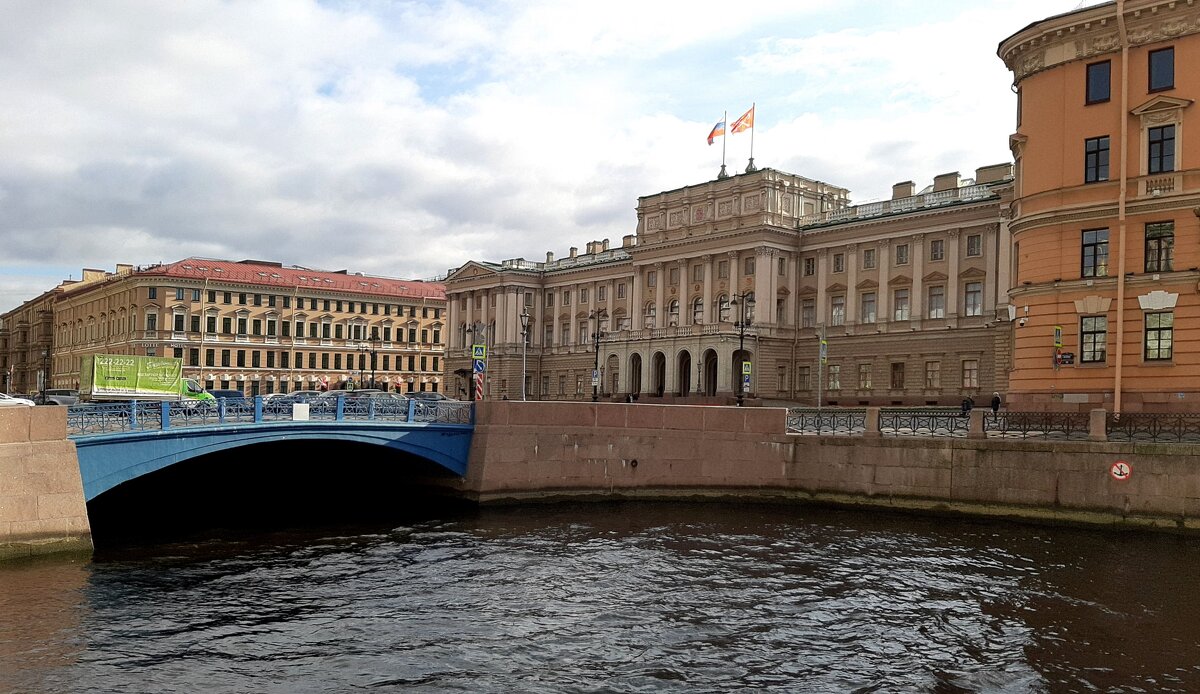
column 1108, row 211
column 1090, row 32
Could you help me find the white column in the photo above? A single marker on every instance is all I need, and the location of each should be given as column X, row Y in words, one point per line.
column 501, row 316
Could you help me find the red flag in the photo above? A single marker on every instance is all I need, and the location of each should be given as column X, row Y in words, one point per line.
column 743, row 123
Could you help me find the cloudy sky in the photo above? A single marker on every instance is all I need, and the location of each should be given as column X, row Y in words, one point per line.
column 403, row 138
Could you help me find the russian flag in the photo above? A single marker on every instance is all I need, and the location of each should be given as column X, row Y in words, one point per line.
column 717, row 131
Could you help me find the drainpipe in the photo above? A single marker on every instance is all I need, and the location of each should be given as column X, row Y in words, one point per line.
column 1124, row 38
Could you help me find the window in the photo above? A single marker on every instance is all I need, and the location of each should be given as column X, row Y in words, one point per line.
column 674, row 275
column 1095, row 253
column 902, row 254
column 810, row 267
column 837, row 310
column 933, row 375
column 650, row 315
column 621, row 290
column 782, row 267
column 937, row 302
column 1159, row 335
column 974, row 299
column 549, row 299
column 723, row 269
column 566, row 298
column 151, row 321
column 937, row 249
column 781, row 378
column 1161, row 149
column 900, row 304
column 673, row 312
column 227, row 325
column 548, row 335
column 1093, row 339
column 834, row 379
column 1160, row 246
column 212, row 296
column 803, row 379
column 1099, row 82
column 210, row 357
column 868, row 258
column 974, row 245
column 179, row 293
column 224, row 357
column 864, row 377
column 839, row 262
column 195, row 321
column 651, row 278
column 898, row 375
column 241, row 357
column 179, row 319
column 697, row 273
column 808, row 313
column 749, row 266
column 868, row 307
column 602, row 293
column 1162, row 69
column 970, row 373
column 1095, row 159
column 697, row 311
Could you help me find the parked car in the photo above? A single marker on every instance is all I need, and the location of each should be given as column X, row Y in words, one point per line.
column 430, row 396
column 9, row 401
column 57, row 396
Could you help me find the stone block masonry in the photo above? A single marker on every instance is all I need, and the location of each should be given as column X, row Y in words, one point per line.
column 41, row 492
column 525, row 451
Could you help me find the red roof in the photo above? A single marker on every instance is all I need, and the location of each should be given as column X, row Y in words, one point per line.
column 274, row 275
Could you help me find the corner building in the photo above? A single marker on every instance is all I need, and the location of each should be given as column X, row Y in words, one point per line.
column 1106, row 242
column 661, row 317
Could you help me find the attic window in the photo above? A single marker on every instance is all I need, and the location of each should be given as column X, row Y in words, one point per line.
column 218, row 270
column 187, row 267
column 202, row 269
column 275, row 275
column 262, row 274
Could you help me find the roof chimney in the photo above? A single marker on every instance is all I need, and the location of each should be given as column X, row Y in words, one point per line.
column 904, row 189
column 993, row 173
column 628, row 240
column 946, row 181
column 605, row 242
column 549, row 256
column 574, row 251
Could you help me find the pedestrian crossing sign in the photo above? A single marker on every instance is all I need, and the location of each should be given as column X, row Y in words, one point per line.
column 479, row 351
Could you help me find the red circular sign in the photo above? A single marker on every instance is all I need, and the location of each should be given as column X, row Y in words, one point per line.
column 1120, row 471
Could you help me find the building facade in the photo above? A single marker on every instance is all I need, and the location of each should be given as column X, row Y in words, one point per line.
column 1106, row 258
column 254, row 326
column 731, row 286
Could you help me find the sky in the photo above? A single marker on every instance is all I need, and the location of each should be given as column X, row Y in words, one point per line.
column 404, row 138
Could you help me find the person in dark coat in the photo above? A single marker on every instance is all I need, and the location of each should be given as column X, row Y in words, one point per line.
column 996, row 403
column 967, row 404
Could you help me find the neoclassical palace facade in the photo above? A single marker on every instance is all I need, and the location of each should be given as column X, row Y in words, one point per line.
column 740, row 280
column 256, row 326
column 1104, row 224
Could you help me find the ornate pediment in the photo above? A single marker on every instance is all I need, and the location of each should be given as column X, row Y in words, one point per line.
column 935, row 277
column 1158, row 300
column 836, row 287
column 900, row 281
column 1091, row 305
column 806, row 291
column 1161, row 103
column 867, row 284
column 972, row 273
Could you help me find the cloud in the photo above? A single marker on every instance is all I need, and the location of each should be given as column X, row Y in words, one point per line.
column 404, row 139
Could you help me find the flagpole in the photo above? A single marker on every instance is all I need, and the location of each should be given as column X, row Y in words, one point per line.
column 724, row 130
column 751, row 167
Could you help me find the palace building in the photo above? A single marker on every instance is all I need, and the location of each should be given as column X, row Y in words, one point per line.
column 1106, row 240
column 256, row 326
column 730, row 287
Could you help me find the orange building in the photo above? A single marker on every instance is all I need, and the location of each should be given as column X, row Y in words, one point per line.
column 1105, row 230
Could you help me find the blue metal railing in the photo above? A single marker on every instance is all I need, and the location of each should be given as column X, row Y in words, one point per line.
column 87, row 419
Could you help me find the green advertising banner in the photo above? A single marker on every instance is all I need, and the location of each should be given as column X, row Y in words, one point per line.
column 125, row 375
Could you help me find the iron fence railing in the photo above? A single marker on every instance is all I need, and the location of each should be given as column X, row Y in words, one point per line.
column 836, row 421
column 88, row 419
column 1154, row 427
column 944, row 422
column 939, row 421
column 1059, row 426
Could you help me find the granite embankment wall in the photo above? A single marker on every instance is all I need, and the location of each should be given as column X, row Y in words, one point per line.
column 41, row 491
column 525, row 450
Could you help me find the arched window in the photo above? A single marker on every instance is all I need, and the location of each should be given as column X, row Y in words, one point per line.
column 673, row 310
column 697, row 311
column 650, row 314
column 723, row 309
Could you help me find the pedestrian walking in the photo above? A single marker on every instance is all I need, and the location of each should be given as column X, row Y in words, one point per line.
column 996, row 402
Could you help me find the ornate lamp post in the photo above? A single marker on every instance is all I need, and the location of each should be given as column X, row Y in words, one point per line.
column 597, row 315
column 524, row 346
column 369, row 346
column 745, row 309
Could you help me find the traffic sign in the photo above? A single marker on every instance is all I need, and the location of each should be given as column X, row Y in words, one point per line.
column 479, row 366
column 824, row 352
column 1121, row 471
column 595, row 377
column 746, row 382
column 479, row 351
column 1058, row 336
column 746, row 368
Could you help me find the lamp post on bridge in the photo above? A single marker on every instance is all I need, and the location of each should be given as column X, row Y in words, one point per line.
column 597, row 315
column 745, row 308
column 524, row 347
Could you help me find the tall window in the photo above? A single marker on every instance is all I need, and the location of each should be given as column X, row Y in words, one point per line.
column 803, row 378
column 902, row 254
column 898, row 375
column 723, row 269
column 1093, row 339
column 868, row 258
column 937, row 249
column 900, row 304
column 808, row 313
column 810, row 267
column 868, row 307
column 697, row 311
column 723, row 309
column 749, row 266
column 673, row 310
column 698, row 272
column 1099, row 82
column 1161, row 149
column 974, row 299
column 837, row 310
column 937, row 302
column 933, row 374
column 974, row 245
column 839, row 262
column 1095, row 253
column 651, row 315
column 1159, row 335
column 674, row 275
column 1160, row 246
column 1162, row 69
column 833, row 380
column 970, row 373
column 864, row 377
column 1095, row 159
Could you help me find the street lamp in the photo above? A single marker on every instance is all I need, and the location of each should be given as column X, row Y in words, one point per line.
column 370, row 346
column 745, row 304
column 597, row 315
column 524, row 346
column 45, row 373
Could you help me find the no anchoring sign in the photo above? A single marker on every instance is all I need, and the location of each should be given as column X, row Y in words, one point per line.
column 1120, row 471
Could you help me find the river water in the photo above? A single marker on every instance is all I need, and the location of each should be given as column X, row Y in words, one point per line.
column 634, row 597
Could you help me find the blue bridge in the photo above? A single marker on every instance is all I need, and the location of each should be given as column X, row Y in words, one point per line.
column 117, row 442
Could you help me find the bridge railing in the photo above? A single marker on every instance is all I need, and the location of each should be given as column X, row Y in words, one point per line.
column 953, row 422
column 87, row 419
